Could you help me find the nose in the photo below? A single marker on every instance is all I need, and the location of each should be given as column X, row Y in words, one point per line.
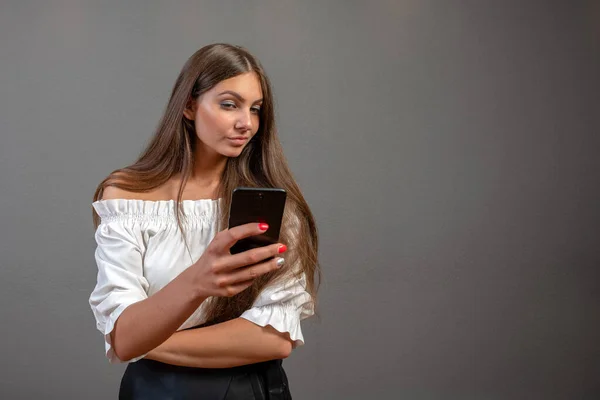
column 244, row 121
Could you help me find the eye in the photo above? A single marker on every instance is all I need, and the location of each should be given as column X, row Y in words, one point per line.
column 228, row 105
column 255, row 110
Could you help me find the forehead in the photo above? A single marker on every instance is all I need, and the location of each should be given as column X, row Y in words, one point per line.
column 247, row 85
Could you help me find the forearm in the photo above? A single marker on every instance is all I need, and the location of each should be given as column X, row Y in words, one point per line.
column 145, row 325
column 229, row 344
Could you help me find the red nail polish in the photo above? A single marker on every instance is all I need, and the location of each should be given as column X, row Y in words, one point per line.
column 263, row 226
column 282, row 248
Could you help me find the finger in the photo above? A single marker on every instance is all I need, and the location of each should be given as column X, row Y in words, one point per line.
column 238, row 287
column 253, row 256
column 254, row 271
column 246, row 258
column 229, row 237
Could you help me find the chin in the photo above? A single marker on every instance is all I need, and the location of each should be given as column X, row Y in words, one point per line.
column 232, row 152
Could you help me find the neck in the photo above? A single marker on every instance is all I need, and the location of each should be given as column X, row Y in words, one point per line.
column 208, row 167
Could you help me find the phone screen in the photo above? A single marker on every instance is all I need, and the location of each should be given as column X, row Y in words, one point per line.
column 257, row 205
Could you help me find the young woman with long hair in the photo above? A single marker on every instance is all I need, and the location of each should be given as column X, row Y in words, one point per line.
column 191, row 319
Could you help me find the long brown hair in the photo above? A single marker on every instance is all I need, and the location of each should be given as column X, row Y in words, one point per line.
column 261, row 164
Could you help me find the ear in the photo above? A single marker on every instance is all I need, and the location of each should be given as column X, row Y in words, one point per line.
column 190, row 110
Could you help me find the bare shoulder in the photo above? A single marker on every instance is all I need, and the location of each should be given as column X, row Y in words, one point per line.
column 163, row 192
column 113, row 192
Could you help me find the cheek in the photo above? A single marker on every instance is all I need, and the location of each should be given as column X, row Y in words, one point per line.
column 255, row 124
column 211, row 122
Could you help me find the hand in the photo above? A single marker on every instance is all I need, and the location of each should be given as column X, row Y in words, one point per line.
column 219, row 273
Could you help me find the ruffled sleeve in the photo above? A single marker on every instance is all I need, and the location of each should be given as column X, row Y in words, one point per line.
column 120, row 280
column 283, row 306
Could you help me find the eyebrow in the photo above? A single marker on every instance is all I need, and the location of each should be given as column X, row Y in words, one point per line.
column 237, row 95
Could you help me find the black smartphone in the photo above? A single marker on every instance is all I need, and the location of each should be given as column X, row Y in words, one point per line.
column 257, row 205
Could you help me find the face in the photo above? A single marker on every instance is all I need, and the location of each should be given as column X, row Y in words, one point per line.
column 227, row 116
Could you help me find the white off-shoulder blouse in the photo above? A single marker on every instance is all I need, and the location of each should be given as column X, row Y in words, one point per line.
column 140, row 250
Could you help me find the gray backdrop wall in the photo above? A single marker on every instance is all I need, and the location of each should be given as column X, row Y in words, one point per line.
column 449, row 150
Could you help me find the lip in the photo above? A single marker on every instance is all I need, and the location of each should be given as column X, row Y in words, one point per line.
column 238, row 140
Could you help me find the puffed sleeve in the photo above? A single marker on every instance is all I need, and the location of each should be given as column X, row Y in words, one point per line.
column 283, row 306
column 120, row 280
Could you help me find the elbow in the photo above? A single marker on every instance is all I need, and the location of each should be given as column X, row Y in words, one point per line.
column 124, row 356
column 280, row 344
column 285, row 349
column 122, row 353
column 120, row 356
column 118, row 351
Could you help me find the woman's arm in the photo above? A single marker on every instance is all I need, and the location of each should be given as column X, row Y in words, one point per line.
column 142, row 323
column 145, row 324
column 229, row 344
column 267, row 331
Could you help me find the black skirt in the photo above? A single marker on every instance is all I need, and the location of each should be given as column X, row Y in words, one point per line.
column 153, row 380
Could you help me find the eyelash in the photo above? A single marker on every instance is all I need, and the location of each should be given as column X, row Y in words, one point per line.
column 226, row 107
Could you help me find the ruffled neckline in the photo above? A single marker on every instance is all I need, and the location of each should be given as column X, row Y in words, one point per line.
column 161, row 208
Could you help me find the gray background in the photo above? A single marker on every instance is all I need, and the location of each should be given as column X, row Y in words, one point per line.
column 449, row 150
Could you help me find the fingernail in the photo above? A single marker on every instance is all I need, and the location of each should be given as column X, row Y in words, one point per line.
column 280, row 262
column 282, row 248
column 263, row 226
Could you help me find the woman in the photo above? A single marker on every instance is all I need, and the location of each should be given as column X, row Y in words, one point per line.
column 193, row 320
